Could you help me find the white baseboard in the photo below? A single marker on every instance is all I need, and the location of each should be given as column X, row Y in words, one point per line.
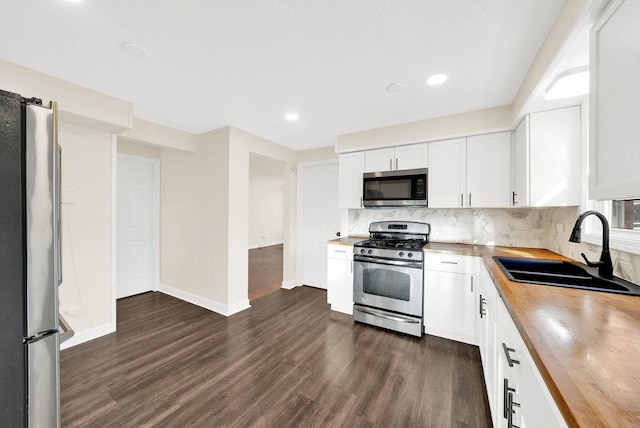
column 345, row 309
column 265, row 244
column 288, row 285
column 212, row 305
column 87, row 335
column 471, row 340
column 238, row 307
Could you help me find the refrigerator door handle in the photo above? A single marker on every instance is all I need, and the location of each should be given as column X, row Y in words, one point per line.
column 58, row 215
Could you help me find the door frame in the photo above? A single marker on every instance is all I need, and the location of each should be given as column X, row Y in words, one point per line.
column 155, row 225
column 300, row 210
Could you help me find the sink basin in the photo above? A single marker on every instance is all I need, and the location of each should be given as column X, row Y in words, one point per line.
column 562, row 274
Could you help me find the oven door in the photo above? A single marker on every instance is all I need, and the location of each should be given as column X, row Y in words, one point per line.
column 392, row 285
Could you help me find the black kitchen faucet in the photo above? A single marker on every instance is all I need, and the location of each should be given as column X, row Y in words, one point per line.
column 605, row 267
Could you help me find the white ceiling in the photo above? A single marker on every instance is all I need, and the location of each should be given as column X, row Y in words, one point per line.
column 245, row 63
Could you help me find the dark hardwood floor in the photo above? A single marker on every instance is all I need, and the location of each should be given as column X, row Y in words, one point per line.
column 286, row 361
column 265, row 271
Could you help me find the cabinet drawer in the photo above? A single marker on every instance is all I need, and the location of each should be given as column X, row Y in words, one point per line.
column 449, row 263
column 342, row 252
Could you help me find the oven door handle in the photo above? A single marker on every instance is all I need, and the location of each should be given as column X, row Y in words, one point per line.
column 363, row 259
column 380, row 314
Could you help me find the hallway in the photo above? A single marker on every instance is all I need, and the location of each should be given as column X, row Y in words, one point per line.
column 265, row 271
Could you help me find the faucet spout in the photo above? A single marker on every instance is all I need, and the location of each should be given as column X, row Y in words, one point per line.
column 605, row 266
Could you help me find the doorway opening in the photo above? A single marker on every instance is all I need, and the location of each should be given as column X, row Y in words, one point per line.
column 266, row 225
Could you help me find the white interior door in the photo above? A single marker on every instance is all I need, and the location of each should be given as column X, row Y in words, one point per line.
column 137, row 225
column 320, row 220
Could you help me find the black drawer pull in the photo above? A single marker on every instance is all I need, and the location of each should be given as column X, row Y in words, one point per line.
column 505, row 398
column 510, row 360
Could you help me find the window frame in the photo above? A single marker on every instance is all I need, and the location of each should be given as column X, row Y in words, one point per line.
column 619, row 239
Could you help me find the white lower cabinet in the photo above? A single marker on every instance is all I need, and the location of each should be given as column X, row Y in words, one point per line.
column 523, row 399
column 450, row 284
column 340, row 278
column 486, row 314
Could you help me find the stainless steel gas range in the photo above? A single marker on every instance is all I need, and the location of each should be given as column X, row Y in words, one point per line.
column 388, row 284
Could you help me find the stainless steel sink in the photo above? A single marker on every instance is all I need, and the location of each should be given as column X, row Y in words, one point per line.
column 562, row 274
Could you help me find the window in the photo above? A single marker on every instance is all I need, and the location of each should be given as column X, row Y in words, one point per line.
column 625, row 214
column 624, row 219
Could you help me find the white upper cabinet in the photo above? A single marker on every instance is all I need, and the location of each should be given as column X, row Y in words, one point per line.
column 555, row 158
column 520, row 164
column 614, row 108
column 412, row 157
column 546, row 159
column 470, row 172
column 379, row 160
column 447, row 173
column 351, row 167
column 488, row 170
column 396, row 158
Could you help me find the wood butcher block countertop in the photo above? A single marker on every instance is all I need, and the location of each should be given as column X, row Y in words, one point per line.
column 586, row 344
column 348, row 240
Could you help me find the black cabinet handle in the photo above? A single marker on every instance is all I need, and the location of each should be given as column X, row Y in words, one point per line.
column 513, row 198
column 510, row 360
column 505, row 398
column 481, row 308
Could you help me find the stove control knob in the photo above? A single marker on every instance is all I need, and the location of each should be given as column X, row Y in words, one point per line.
column 361, row 251
column 410, row 255
column 401, row 254
column 370, row 252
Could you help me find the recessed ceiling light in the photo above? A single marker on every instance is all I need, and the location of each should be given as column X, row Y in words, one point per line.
column 291, row 117
column 75, row 1
column 436, row 79
column 135, row 50
column 569, row 83
column 395, row 87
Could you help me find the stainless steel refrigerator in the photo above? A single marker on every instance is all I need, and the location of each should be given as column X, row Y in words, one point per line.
column 30, row 263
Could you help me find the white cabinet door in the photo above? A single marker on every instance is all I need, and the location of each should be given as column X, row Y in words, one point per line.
column 615, row 67
column 487, row 336
column 555, row 158
column 379, row 160
column 396, row 158
column 449, row 307
column 447, row 173
column 509, row 375
column 351, row 167
column 340, row 278
column 520, row 165
column 488, row 175
column 536, row 407
column 411, row 157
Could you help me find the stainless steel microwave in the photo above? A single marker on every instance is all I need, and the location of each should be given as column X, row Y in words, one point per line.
column 395, row 188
